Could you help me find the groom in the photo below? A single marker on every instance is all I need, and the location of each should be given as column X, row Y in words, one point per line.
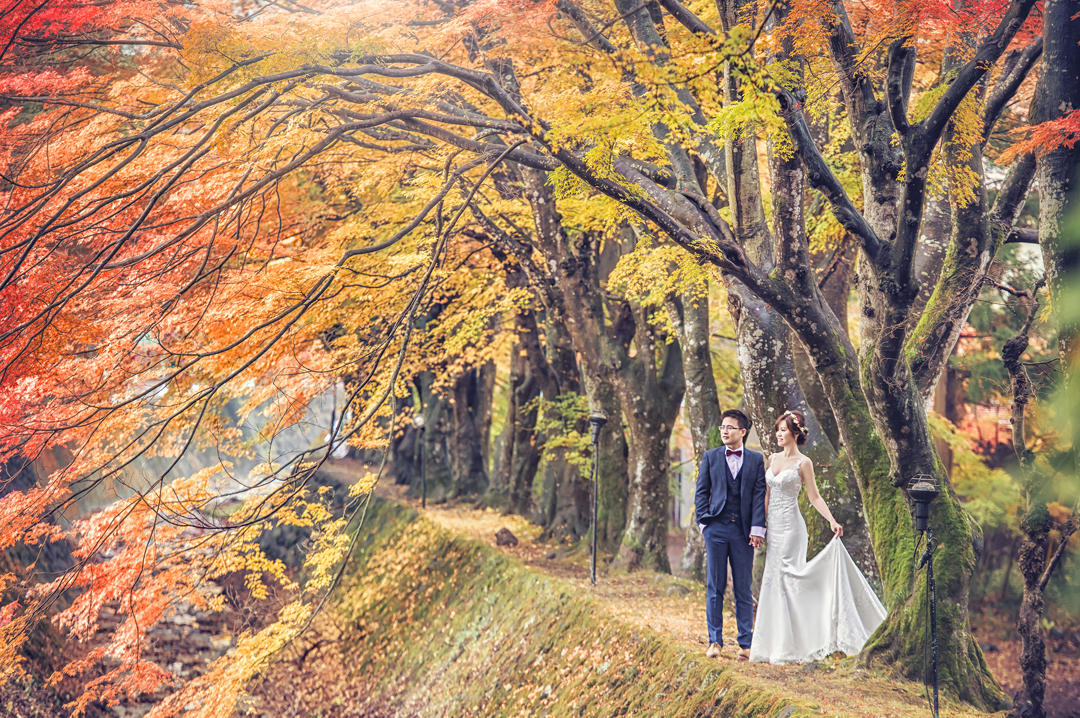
column 730, row 506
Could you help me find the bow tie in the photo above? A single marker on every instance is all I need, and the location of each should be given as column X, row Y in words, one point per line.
column 734, row 452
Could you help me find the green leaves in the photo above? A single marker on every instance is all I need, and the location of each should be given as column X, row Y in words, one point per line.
column 562, row 421
column 757, row 112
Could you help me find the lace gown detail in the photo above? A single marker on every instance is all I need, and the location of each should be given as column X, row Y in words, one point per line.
column 807, row 609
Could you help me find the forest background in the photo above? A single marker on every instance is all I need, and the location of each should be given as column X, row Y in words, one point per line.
column 240, row 238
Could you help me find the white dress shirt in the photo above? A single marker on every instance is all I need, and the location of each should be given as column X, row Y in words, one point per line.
column 734, row 463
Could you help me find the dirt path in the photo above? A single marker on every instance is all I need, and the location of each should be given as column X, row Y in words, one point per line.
column 675, row 608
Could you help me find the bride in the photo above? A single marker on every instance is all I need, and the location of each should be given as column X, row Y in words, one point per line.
column 806, row 609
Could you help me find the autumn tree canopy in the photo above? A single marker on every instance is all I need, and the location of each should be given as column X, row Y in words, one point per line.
column 216, row 213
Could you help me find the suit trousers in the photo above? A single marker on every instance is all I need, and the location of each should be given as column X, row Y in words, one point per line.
column 725, row 542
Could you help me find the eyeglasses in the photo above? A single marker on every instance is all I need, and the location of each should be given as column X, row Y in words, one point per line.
column 732, row 427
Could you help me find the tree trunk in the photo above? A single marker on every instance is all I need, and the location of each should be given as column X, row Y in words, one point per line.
column 521, row 446
column 470, row 399
column 1057, row 93
column 485, row 400
column 899, row 414
column 835, row 286
column 1034, row 559
column 1028, row 702
column 930, row 254
column 566, row 497
column 650, row 388
column 435, row 478
column 612, row 467
column 405, row 455
column 690, row 315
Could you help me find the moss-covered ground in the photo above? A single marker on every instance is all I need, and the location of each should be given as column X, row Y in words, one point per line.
column 434, row 620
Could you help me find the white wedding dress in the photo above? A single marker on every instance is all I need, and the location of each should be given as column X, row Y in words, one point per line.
column 807, row 609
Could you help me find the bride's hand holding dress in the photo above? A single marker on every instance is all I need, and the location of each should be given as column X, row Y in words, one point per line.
column 807, row 609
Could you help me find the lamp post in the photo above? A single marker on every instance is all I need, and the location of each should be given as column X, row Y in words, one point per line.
column 922, row 491
column 596, row 421
column 418, row 422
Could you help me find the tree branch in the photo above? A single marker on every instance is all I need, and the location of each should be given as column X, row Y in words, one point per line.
column 898, row 81
column 592, row 36
column 822, row 178
column 1066, row 533
column 858, row 89
column 1009, row 83
column 929, row 130
column 688, row 19
column 1022, row 235
column 1020, row 382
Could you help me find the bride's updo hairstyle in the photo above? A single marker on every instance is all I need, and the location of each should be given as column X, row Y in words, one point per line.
column 796, row 424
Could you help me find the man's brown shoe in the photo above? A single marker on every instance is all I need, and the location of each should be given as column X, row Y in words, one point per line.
column 713, row 651
column 743, row 654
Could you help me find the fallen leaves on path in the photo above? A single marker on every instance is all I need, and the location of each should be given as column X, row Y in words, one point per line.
column 676, row 608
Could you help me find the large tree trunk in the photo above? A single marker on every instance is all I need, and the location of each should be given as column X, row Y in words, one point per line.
column 898, row 411
column 651, row 387
column 1056, row 95
column 452, row 463
column 1034, row 558
column 565, row 500
column 520, row 446
column 612, row 467
column 690, row 315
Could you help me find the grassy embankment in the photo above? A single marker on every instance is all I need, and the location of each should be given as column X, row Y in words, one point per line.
column 436, row 624
column 432, row 622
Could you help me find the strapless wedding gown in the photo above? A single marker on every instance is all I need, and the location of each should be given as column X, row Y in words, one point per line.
column 807, row 609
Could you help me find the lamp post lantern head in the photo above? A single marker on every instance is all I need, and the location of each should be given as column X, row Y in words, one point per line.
column 922, row 491
column 596, row 421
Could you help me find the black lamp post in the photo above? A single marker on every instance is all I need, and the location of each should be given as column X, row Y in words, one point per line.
column 922, row 491
column 418, row 422
column 596, row 421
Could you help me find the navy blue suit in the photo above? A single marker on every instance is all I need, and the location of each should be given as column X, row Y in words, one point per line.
column 727, row 535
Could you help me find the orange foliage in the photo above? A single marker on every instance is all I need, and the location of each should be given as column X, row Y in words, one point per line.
column 217, row 212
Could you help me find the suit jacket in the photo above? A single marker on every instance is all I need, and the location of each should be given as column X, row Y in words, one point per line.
column 712, row 487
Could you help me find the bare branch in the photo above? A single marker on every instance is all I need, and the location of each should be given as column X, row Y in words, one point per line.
column 1066, row 533
column 688, row 19
column 1022, row 235
column 822, row 178
column 898, row 82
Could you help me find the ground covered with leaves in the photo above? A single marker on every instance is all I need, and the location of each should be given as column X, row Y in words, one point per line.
column 436, row 619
